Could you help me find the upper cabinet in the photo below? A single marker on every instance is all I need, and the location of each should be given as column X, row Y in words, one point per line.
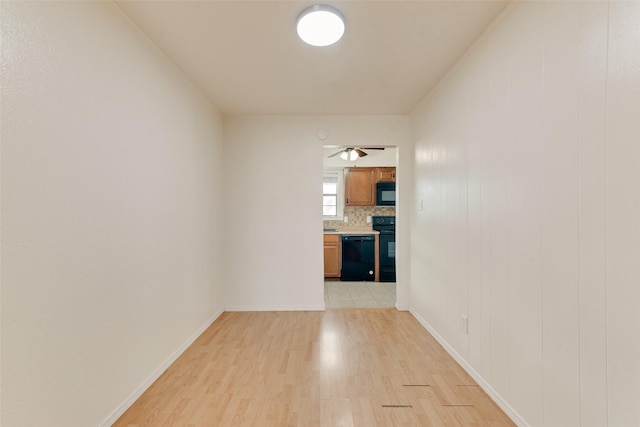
column 359, row 187
column 360, row 184
column 385, row 174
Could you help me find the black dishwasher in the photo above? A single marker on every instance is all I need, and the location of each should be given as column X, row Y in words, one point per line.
column 358, row 257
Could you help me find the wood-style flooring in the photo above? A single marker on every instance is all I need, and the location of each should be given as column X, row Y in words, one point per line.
column 342, row 367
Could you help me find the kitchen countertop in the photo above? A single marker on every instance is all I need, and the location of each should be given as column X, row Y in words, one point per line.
column 350, row 230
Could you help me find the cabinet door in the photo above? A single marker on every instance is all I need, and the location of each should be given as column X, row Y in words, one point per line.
column 359, row 187
column 385, row 174
column 331, row 255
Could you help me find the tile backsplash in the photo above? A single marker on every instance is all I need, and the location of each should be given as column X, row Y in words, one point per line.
column 358, row 215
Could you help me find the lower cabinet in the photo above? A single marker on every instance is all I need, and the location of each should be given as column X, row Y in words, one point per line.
column 331, row 255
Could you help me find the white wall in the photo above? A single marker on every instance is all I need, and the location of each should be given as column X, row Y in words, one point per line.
column 273, row 170
column 527, row 158
column 111, row 180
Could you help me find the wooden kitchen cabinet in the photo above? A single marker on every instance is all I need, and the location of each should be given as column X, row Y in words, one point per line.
column 385, row 175
column 331, row 255
column 359, row 187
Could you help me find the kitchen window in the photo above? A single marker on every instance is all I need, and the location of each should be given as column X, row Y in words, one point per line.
column 332, row 194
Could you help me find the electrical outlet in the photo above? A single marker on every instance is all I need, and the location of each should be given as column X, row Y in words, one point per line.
column 345, row 219
column 464, row 323
column 368, row 219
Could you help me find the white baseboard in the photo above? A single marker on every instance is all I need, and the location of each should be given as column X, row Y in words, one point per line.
column 511, row 413
column 320, row 307
column 402, row 308
column 120, row 409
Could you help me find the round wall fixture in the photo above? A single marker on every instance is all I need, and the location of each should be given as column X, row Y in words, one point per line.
column 320, row 25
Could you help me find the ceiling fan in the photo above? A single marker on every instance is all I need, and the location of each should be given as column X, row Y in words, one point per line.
column 353, row 153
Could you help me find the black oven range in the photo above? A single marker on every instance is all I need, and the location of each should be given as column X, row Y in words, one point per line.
column 386, row 225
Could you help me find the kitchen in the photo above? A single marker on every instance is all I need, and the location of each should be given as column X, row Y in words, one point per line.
column 359, row 216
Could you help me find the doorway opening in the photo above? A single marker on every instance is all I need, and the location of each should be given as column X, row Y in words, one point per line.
column 359, row 215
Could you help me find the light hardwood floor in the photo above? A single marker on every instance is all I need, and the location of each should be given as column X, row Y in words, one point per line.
column 342, row 367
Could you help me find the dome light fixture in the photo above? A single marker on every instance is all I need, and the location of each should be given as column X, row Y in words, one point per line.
column 320, row 25
column 350, row 154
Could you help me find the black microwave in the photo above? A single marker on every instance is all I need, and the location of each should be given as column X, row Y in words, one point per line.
column 386, row 194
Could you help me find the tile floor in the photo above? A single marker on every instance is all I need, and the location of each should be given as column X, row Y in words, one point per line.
column 359, row 294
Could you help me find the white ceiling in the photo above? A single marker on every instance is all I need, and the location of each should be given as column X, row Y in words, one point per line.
column 246, row 57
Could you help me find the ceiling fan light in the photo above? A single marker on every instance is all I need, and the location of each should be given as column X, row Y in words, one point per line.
column 349, row 154
column 320, row 25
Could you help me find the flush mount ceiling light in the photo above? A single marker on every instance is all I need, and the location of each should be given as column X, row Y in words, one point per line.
column 320, row 25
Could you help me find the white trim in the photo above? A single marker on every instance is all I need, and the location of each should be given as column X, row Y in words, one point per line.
column 500, row 401
column 321, row 307
column 398, row 306
column 121, row 408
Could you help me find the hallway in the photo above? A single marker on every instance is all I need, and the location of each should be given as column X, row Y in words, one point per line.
column 138, row 206
column 342, row 367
